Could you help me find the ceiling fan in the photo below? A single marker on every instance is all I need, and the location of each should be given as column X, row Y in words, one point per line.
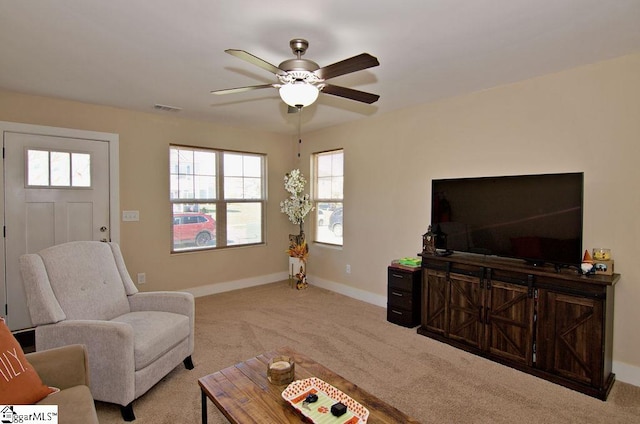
column 301, row 80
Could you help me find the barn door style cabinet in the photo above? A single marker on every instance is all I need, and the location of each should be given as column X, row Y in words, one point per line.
column 557, row 325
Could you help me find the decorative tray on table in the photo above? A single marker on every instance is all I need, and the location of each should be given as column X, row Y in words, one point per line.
column 319, row 412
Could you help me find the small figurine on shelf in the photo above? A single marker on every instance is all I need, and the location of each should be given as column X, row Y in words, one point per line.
column 301, row 278
column 586, row 267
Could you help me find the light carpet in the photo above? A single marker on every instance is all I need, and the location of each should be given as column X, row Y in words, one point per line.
column 426, row 379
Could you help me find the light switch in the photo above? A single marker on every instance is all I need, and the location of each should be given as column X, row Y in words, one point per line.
column 130, row 215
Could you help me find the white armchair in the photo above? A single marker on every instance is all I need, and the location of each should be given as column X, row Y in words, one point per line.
column 81, row 293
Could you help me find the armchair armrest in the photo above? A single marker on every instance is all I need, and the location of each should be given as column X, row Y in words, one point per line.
column 166, row 301
column 62, row 367
column 106, row 338
column 110, row 348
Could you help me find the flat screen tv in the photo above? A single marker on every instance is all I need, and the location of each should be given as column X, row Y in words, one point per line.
column 537, row 218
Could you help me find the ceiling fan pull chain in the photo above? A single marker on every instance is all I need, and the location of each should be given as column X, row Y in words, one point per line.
column 299, row 125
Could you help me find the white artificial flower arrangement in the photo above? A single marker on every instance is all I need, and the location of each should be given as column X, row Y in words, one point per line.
column 297, row 205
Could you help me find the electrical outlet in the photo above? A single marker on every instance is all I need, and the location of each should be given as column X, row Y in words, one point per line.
column 348, row 269
column 142, row 278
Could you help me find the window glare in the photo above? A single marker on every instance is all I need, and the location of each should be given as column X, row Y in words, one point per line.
column 192, row 174
column 324, row 188
column 204, row 163
column 233, row 188
column 81, row 166
column 244, row 223
column 252, row 166
column 38, row 168
column 60, row 169
column 232, row 164
column 204, row 187
column 243, row 176
column 324, row 166
column 185, row 162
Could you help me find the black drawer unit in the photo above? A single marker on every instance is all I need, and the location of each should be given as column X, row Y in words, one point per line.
column 403, row 296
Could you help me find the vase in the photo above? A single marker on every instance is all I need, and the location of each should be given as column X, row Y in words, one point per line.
column 297, row 273
column 296, row 239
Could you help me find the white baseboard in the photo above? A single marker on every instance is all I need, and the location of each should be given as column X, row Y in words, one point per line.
column 363, row 295
column 624, row 372
column 209, row 289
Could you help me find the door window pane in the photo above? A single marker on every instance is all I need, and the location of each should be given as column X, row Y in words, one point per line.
column 58, row 169
column 81, row 165
column 37, row 168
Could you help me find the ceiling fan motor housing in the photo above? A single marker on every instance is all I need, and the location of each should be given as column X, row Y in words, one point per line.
column 299, row 46
column 299, row 65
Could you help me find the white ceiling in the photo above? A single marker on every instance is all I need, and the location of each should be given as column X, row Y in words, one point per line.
column 134, row 54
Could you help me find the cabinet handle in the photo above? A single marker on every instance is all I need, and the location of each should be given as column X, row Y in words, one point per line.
column 396, row 312
column 397, row 294
column 397, row 275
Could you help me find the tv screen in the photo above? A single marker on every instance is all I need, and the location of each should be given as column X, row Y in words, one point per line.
column 537, row 218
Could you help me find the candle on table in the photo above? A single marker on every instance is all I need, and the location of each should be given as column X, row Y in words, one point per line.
column 280, row 365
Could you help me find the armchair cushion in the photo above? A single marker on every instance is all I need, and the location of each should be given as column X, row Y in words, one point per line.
column 154, row 334
column 20, row 384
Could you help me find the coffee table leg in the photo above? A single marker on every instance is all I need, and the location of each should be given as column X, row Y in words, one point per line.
column 204, row 407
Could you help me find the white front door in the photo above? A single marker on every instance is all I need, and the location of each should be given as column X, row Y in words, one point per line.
column 56, row 189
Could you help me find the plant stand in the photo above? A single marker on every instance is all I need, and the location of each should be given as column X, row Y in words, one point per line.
column 297, row 271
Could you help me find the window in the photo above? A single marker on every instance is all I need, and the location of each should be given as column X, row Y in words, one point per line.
column 217, row 198
column 47, row 168
column 328, row 171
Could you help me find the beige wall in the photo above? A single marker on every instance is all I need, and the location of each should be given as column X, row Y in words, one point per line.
column 585, row 119
column 144, row 179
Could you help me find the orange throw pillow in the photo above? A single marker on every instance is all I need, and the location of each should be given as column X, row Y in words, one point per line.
column 19, row 382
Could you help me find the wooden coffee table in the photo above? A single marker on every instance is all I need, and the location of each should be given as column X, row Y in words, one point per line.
column 244, row 395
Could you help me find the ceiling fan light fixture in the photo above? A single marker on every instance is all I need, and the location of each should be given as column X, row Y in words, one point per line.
column 299, row 94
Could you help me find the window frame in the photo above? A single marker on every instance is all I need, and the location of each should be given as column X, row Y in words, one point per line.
column 337, row 201
column 219, row 200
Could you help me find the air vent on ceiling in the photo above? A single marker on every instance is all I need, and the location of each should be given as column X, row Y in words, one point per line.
column 166, row 108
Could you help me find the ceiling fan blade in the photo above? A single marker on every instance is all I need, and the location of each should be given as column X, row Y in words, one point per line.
column 353, row 64
column 350, row 93
column 242, row 89
column 255, row 60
